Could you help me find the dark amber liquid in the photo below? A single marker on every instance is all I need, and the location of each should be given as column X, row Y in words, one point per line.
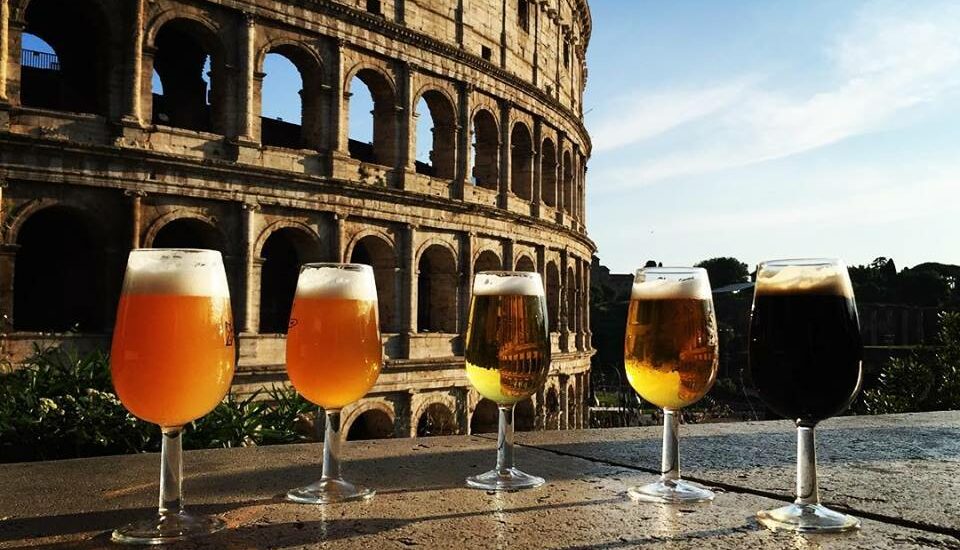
column 805, row 354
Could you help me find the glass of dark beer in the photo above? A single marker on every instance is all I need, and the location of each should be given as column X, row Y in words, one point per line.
column 805, row 355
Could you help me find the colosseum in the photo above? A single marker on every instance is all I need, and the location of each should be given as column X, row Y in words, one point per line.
column 97, row 159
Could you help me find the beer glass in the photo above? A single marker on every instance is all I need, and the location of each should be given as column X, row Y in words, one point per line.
column 507, row 358
column 670, row 355
column 172, row 362
column 805, row 353
column 334, row 355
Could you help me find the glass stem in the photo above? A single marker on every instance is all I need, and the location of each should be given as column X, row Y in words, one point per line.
column 331, row 446
column 505, row 440
column 807, row 492
column 670, row 461
column 171, row 471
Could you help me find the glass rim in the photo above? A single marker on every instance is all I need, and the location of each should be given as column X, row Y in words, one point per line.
column 802, row 262
column 668, row 270
column 182, row 250
column 505, row 273
column 336, row 265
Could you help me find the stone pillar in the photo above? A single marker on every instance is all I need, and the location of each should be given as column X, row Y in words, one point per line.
column 537, row 192
column 338, row 128
column 588, row 339
column 247, row 61
column 467, row 246
column 459, row 21
column 136, row 215
column 4, row 47
column 404, row 139
column 505, row 147
column 561, row 142
column 508, row 247
column 408, row 324
column 462, row 174
column 564, row 321
column 249, row 293
column 135, row 85
column 339, row 237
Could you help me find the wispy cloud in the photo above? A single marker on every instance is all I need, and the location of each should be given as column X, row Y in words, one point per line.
column 883, row 64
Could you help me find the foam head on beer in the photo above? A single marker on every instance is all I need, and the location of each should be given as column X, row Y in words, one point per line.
column 356, row 283
column 825, row 279
column 512, row 284
column 176, row 272
column 655, row 288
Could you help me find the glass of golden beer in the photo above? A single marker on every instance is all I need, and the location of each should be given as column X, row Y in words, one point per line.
column 172, row 362
column 507, row 358
column 671, row 360
column 334, row 354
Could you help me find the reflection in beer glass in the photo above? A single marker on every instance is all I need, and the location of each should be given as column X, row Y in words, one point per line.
column 805, row 355
column 334, row 356
column 172, row 362
column 670, row 355
column 507, row 358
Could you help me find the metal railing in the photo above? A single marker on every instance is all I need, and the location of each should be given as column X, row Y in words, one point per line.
column 39, row 60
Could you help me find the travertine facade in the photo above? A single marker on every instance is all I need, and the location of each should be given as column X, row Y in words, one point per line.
column 94, row 162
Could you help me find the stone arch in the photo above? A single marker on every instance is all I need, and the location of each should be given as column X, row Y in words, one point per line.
column 525, row 263
column 62, row 270
column 209, row 235
column 383, row 92
column 182, row 47
column 567, row 183
column 282, row 248
column 370, row 420
column 573, row 407
column 443, row 153
column 306, row 134
column 525, row 416
column 487, row 260
column 486, row 149
column 551, row 409
column 485, row 417
column 377, row 250
column 548, row 173
column 553, row 295
column 436, row 417
column 437, row 281
column 521, row 161
column 77, row 76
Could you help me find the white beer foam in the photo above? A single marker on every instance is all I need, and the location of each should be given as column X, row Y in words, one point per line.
column 694, row 288
column 486, row 284
column 176, row 272
column 828, row 280
column 333, row 282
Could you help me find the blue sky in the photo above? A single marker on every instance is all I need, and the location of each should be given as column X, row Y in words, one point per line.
column 760, row 129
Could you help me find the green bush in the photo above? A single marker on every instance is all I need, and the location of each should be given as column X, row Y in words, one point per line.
column 61, row 405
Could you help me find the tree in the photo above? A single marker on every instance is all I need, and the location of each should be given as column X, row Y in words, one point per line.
column 725, row 271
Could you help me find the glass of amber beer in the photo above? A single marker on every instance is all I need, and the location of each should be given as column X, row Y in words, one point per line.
column 172, row 362
column 670, row 355
column 805, row 362
column 507, row 359
column 334, row 355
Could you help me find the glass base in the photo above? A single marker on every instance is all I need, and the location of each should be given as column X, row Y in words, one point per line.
column 807, row 518
column 510, row 479
column 328, row 491
column 671, row 492
column 167, row 528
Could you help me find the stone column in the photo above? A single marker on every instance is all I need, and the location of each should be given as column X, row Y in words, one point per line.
column 136, row 215
column 4, row 47
column 508, row 254
column 536, row 193
column 247, row 61
column 405, row 138
column 408, row 324
column 249, row 293
column 564, row 324
column 134, row 107
column 459, row 21
column 462, row 174
column 338, row 130
column 505, row 148
column 561, row 142
column 467, row 246
column 339, row 236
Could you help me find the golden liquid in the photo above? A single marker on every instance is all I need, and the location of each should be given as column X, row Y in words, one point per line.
column 173, row 356
column 508, row 347
column 334, row 351
column 671, row 350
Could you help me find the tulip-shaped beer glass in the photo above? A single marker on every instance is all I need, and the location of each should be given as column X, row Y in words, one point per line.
column 805, row 353
column 507, row 359
column 172, row 362
column 670, row 354
column 334, row 355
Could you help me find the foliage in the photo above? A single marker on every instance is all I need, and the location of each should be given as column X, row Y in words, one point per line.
column 928, row 284
column 61, row 404
column 926, row 380
column 725, row 271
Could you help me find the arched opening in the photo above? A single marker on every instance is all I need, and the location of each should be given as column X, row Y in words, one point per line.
column 189, row 233
column 486, row 150
column 524, row 416
column 521, row 161
column 572, row 314
column 524, row 263
column 486, row 417
column 553, row 296
column 437, row 290
column 548, row 173
column 189, row 65
column 438, row 419
column 291, row 93
column 372, row 424
column 573, row 408
column 567, row 183
column 284, row 251
column 65, row 61
column 372, row 118
column 60, row 274
column 487, row 261
column 379, row 254
column 436, row 136
column 551, row 411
